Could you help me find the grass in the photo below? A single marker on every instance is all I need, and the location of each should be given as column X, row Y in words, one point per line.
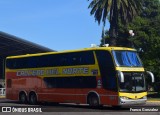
column 151, row 93
column 153, row 99
column 153, row 96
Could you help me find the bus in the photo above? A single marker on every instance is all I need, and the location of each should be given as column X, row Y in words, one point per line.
column 95, row 76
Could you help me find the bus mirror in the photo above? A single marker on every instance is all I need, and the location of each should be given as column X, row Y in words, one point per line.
column 140, row 50
column 121, row 76
column 151, row 75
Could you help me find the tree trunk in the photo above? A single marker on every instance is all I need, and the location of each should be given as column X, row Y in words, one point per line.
column 113, row 37
column 113, row 31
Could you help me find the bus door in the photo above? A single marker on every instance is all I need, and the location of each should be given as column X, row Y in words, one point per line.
column 108, row 77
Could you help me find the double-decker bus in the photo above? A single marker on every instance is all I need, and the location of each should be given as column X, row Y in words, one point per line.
column 96, row 76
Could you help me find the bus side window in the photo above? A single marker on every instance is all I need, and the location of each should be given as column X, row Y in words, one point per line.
column 83, row 58
column 50, row 82
column 9, row 64
column 14, row 64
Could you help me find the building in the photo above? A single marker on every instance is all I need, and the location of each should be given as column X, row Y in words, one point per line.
column 11, row 45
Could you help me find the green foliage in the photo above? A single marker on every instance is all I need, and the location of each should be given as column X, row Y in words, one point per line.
column 147, row 36
column 126, row 10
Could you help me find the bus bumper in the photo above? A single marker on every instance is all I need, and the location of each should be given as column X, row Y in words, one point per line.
column 132, row 101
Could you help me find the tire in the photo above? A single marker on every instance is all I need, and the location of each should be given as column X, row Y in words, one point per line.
column 33, row 99
column 93, row 100
column 23, row 98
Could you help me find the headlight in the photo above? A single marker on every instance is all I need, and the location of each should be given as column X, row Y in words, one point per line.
column 124, row 97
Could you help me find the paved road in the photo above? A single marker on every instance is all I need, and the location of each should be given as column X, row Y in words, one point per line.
column 71, row 108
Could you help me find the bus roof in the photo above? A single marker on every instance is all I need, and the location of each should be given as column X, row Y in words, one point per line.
column 68, row 51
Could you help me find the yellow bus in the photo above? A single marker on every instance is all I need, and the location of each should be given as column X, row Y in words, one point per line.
column 96, row 76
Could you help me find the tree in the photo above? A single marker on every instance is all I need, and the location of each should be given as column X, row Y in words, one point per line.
column 147, row 30
column 125, row 9
column 146, row 27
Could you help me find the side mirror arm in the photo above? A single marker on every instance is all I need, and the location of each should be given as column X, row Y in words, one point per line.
column 151, row 75
column 121, row 76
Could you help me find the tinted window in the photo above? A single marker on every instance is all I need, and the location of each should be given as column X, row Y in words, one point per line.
column 71, row 82
column 64, row 59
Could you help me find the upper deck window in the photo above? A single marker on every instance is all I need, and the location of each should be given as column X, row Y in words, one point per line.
column 52, row 60
column 127, row 58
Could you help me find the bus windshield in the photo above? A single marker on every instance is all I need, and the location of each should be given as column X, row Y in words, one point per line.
column 133, row 82
column 127, row 58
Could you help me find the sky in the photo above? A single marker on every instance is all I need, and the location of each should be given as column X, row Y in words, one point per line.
column 55, row 24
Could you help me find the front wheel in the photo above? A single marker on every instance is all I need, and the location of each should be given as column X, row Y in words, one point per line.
column 33, row 99
column 93, row 101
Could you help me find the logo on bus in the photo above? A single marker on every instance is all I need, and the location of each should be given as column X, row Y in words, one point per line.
column 94, row 72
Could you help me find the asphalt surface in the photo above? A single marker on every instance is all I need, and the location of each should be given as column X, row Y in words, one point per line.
column 151, row 108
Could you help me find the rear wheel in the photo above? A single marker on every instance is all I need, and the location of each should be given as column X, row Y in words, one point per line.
column 93, row 100
column 23, row 98
column 33, row 99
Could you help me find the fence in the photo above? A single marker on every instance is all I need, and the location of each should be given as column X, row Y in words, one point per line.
column 2, row 91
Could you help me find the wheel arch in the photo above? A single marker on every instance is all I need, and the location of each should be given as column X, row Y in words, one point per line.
column 93, row 93
column 32, row 92
column 21, row 92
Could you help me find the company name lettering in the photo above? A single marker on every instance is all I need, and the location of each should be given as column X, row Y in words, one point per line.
column 75, row 71
column 65, row 71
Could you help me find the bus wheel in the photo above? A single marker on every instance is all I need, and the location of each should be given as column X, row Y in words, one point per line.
column 23, row 98
column 33, row 99
column 93, row 100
